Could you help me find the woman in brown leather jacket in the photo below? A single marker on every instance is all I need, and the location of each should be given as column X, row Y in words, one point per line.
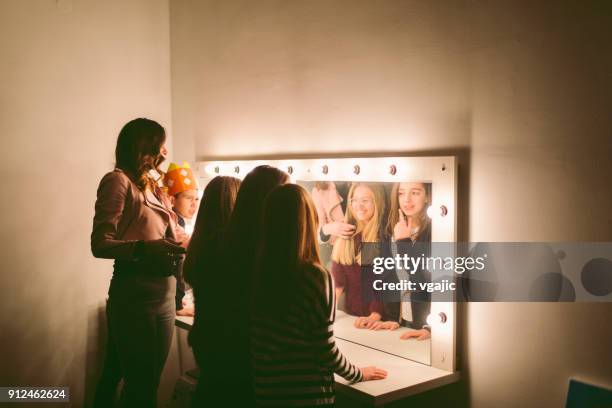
column 134, row 225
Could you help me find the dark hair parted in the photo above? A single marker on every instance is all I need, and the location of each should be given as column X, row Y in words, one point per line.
column 138, row 150
column 213, row 217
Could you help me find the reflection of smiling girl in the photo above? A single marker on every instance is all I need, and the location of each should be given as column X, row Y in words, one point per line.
column 409, row 224
column 408, row 216
column 365, row 209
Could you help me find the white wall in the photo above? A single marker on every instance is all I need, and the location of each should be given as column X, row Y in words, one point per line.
column 520, row 91
column 71, row 73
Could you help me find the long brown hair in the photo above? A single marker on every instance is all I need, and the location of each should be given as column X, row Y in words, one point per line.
column 138, row 150
column 344, row 249
column 244, row 229
column 213, row 216
column 288, row 249
column 394, row 210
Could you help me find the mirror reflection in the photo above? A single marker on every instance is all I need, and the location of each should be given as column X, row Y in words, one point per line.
column 356, row 221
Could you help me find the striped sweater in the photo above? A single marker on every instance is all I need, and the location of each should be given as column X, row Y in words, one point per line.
column 295, row 356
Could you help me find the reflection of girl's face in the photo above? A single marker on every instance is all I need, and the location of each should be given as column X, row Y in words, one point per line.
column 412, row 198
column 362, row 203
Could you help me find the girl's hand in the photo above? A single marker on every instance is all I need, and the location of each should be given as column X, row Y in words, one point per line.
column 367, row 322
column 373, row 373
column 182, row 236
column 162, row 247
column 340, row 229
column 421, row 334
column 403, row 228
column 385, row 326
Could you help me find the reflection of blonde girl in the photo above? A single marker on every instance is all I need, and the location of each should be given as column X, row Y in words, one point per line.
column 364, row 210
column 408, row 223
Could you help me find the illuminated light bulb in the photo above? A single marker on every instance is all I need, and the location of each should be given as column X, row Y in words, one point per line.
column 434, row 319
column 431, row 212
column 435, row 211
column 209, row 169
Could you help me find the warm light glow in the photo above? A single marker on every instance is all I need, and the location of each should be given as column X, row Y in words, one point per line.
column 433, row 211
column 436, row 318
column 209, row 169
column 431, row 320
column 189, row 229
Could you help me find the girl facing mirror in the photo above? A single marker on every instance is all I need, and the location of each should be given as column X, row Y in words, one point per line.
column 365, row 208
column 225, row 297
column 294, row 352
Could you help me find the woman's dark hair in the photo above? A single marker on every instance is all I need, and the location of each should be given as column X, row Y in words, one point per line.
column 213, row 216
column 289, row 249
column 244, row 230
column 138, row 149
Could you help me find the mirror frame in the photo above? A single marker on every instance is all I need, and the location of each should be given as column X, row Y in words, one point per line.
column 440, row 171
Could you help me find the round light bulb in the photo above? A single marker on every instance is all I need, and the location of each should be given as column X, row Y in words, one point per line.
column 434, row 319
column 431, row 211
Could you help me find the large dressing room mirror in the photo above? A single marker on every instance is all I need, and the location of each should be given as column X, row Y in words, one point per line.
column 371, row 209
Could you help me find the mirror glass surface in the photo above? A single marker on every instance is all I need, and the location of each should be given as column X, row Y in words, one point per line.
column 361, row 220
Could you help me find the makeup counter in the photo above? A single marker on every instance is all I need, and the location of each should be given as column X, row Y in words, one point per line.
column 405, row 377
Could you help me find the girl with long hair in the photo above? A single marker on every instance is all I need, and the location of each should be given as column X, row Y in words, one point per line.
column 202, row 271
column 409, row 230
column 294, row 352
column 134, row 225
column 226, row 362
column 365, row 209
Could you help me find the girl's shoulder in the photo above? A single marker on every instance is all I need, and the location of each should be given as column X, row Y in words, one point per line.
column 316, row 275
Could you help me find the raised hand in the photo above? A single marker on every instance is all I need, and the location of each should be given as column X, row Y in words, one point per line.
column 403, row 228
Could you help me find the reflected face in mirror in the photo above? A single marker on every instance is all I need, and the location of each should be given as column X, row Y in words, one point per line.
column 362, row 204
column 412, row 198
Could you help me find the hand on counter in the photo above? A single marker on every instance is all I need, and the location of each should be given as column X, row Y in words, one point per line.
column 385, row 326
column 421, row 334
column 373, row 373
column 367, row 322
